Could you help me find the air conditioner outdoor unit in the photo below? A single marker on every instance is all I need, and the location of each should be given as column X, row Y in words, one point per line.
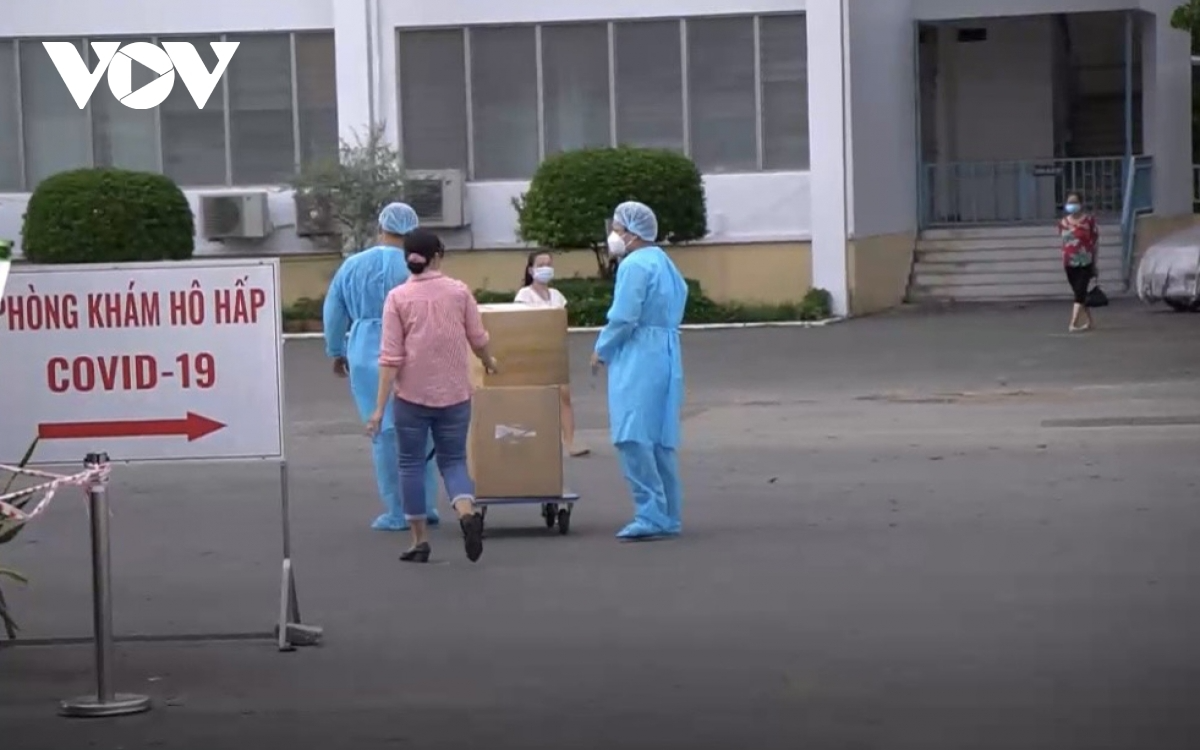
column 314, row 214
column 235, row 215
column 438, row 197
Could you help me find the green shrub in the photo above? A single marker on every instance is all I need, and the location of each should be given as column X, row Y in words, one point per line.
column 5, row 249
column 589, row 299
column 574, row 193
column 107, row 215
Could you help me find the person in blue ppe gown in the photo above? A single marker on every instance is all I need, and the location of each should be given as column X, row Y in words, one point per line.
column 354, row 304
column 640, row 347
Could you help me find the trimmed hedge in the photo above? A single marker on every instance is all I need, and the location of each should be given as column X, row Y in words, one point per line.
column 106, row 216
column 574, row 193
column 589, row 299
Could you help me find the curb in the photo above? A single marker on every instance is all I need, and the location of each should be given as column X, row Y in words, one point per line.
column 686, row 327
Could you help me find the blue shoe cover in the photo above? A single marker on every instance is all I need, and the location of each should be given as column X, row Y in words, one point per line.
column 388, row 522
column 639, row 530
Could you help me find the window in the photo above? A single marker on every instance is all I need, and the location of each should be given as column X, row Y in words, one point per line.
column 731, row 92
column 784, row 52
column 267, row 132
column 193, row 140
column 124, row 137
column 262, row 142
column 575, row 80
column 649, row 84
column 10, row 119
column 55, row 128
column 316, row 93
column 504, row 102
column 722, row 107
column 433, row 99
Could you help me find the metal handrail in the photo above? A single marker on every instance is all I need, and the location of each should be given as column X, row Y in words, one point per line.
column 1133, row 205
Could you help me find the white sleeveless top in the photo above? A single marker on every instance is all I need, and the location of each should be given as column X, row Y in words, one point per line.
column 527, row 296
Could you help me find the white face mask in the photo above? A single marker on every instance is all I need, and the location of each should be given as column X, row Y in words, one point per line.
column 543, row 274
column 616, row 245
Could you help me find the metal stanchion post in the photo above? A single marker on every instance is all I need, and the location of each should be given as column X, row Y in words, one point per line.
column 105, row 702
column 290, row 632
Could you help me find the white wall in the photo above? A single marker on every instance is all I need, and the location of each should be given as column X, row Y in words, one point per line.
column 745, row 207
column 883, row 197
column 33, row 18
column 829, row 148
column 1167, row 113
column 1002, row 95
column 741, row 207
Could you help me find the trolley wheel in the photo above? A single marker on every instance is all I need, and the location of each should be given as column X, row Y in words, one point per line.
column 564, row 521
column 550, row 514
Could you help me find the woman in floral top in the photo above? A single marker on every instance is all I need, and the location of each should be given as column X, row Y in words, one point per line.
column 1079, row 238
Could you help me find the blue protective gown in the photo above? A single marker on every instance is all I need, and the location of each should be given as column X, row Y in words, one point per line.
column 355, row 303
column 641, row 348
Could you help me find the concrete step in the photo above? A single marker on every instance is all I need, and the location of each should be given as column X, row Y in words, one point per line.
column 1000, row 233
column 995, row 255
column 938, row 279
column 1000, row 292
column 1050, row 242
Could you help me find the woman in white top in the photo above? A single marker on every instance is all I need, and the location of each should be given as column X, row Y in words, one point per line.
column 539, row 272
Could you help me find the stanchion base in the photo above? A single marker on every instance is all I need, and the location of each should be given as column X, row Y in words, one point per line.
column 91, row 707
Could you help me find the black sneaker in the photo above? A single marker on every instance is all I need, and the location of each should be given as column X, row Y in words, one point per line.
column 472, row 529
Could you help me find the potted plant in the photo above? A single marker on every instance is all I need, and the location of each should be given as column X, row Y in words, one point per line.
column 367, row 175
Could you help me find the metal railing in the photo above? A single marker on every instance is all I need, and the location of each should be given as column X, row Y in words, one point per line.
column 1138, row 199
column 1017, row 192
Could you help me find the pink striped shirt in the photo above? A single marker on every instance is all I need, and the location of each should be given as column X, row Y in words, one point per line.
column 430, row 325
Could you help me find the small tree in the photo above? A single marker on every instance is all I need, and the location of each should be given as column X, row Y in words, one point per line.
column 367, row 176
column 107, row 215
column 573, row 194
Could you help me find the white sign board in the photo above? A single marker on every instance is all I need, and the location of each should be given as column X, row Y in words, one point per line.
column 4, row 266
column 142, row 361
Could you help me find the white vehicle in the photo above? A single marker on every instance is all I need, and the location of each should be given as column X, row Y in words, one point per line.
column 1169, row 271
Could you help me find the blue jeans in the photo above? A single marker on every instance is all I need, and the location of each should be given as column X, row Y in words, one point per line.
column 449, row 426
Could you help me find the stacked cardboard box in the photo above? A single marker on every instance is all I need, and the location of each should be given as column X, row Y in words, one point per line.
column 515, row 445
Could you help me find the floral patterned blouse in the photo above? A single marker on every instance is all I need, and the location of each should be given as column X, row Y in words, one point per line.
column 1079, row 241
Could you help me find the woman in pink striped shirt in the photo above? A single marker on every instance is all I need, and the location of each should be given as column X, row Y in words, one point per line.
column 431, row 325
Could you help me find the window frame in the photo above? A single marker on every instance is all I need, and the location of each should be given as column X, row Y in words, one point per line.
column 28, row 186
column 610, row 26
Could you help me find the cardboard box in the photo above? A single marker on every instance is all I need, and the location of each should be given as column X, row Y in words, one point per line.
column 515, row 444
column 529, row 343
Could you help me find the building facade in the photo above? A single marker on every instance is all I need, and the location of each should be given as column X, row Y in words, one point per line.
column 830, row 132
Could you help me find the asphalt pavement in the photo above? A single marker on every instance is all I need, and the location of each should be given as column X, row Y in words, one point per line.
column 948, row 530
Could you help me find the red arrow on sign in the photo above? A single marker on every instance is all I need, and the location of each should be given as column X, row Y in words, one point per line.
column 193, row 426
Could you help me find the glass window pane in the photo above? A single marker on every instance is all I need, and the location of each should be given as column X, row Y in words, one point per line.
column 316, row 84
column 194, row 139
column 433, row 99
column 123, row 137
column 10, row 144
column 575, row 77
column 649, row 85
column 784, row 92
column 724, row 135
column 261, row 132
column 56, row 130
column 504, row 102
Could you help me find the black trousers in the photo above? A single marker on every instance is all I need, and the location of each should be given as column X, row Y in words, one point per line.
column 1080, row 278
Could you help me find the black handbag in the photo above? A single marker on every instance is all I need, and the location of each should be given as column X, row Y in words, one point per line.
column 1096, row 297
